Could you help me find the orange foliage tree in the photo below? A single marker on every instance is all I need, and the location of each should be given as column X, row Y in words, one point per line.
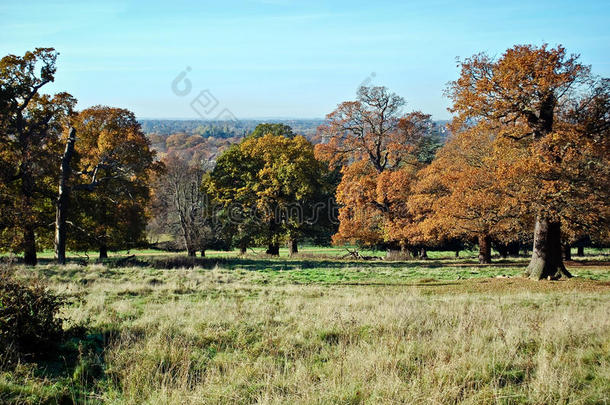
column 111, row 186
column 459, row 195
column 376, row 146
column 550, row 116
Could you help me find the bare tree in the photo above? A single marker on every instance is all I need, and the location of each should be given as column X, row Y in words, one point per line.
column 182, row 207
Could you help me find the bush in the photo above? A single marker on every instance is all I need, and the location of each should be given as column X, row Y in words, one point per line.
column 29, row 321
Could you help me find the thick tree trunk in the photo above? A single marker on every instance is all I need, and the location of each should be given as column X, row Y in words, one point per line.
column 273, row 249
column 242, row 249
column 457, row 254
column 546, row 261
column 103, row 251
column 484, row 249
column 29, row 246
column 580, row 252
column 191, row 252
column 423, row 254
column 202, row 252
column 567, row 252
column 293, row 247
column 63, row 200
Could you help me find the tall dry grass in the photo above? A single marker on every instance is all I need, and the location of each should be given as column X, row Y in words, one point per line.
column 200, row 336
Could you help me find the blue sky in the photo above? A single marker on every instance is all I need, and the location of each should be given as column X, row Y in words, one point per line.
column 282, row 58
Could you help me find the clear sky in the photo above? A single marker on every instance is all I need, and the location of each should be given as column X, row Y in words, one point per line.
column 283, row 58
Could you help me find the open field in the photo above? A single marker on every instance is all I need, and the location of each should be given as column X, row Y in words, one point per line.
column 322, row 330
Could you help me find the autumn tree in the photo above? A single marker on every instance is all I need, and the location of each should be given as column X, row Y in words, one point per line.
column 549, row 116
column 31, row 125
column 459, row 195
column 268, row 187
column 377, row 146
column 110, row 181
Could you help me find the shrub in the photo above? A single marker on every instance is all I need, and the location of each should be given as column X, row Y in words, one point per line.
column 29, row 321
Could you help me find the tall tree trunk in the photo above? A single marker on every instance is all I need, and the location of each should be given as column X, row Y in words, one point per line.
column 63, row 200
column 293, row 247
column 457, row 254
column 546, row 261
column 202, row 252
column 580, row 252
column 484, row 249
column 29, row 246
column 242, row 249
column 191, row 252
column 273, row 249
column 567, row 252
column 103, row 251
column 423, row 254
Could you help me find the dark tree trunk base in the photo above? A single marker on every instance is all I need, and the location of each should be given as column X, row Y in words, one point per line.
column 547, row 260
column 502, row 250
column 29, row 248
column 293, row 247
column 484, row 249
column 581, row 251
column 202, row 253
column 513, row 249
column 273, row 249
column 103, row 252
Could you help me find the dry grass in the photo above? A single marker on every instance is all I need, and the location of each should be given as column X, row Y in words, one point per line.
column 218, row 336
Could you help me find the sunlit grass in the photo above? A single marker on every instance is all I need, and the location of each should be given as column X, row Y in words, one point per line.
column 260, row 330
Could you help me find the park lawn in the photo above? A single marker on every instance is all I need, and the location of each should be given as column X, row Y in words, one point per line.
column 305, row 330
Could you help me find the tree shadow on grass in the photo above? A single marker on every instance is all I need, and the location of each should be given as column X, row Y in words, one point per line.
column 66, row 374
column 286, row 264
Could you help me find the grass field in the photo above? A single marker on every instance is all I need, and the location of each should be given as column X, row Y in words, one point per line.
column 318, row 329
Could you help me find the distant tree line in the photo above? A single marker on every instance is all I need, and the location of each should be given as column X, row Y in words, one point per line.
column 223, row 129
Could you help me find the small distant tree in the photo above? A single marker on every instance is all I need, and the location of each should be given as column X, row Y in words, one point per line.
column 182, row 207
column 274, row 129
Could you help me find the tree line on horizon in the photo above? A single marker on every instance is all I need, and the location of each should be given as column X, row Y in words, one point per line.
column 526, row 162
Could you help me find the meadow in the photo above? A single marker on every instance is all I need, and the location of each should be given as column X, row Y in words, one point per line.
column 317, row 328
